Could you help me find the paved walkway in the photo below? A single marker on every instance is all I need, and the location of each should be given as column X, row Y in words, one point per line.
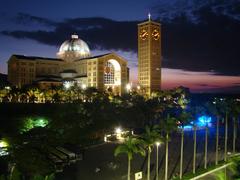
column 100, row 164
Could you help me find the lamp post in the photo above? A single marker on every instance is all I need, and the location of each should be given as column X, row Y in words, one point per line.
column 138, row 88
column 157, row 144
column 83, row 87
column 67, row 84
column 118, row 132
column 129, row 87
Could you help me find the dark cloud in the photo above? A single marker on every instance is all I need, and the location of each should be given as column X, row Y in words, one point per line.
column 98, row 32
column 208, row 46
column 230, row 89
column 168, row 10
column 49, row 38
column 27, row 19
column 211, row 46
column 207, row 85
column 203, row 85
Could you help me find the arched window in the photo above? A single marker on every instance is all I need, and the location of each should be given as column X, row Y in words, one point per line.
column 109, row 73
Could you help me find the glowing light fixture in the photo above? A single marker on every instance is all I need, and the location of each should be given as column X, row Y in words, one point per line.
column 84, row 86
column 67, row 84
column 105, row 138
column 41, row 123
column 118, row 130
column 3, row 144
column 31, row 123
column 128, row 87
column 201, row 122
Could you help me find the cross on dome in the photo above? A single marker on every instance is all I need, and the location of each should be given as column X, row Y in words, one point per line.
column 149, row 16
column 74, row 36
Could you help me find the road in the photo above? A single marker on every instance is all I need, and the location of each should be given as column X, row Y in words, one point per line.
column 100, row 164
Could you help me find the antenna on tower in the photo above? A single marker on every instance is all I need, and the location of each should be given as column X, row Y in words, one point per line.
column 149, row 16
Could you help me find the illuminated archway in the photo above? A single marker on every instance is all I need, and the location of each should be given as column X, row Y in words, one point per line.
column 112, row 75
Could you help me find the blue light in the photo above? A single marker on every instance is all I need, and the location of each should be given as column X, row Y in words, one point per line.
column 187, row 127
column 201, row 122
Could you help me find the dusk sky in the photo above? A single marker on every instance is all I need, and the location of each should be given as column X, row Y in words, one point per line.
column 200, row 38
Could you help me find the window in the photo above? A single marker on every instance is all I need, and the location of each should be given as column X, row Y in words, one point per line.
column 109, row 73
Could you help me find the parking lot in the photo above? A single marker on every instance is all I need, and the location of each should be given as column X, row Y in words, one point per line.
column 99, row 162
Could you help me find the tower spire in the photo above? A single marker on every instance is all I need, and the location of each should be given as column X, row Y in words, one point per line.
column 149, row 16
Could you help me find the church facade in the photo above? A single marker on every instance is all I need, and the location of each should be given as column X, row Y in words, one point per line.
column 108, row 72
column 74, row 65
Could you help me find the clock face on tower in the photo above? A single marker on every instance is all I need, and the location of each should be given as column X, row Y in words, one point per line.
column 143, row 34
column 155, row 34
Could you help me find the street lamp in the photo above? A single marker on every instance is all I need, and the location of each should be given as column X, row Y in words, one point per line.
column 84, row 86
column 157, row 144
column 105, row 138
column 67, row 85
column 3, row 144
column 128, row 87
column 118, row 132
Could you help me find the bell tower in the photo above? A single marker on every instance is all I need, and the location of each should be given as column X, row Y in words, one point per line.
column 149, row 56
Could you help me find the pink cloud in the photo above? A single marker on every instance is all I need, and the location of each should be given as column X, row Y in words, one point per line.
column 196, row 81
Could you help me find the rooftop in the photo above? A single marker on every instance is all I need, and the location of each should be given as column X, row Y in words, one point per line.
column 94, row 57
column 35, row 57
column 68, row 71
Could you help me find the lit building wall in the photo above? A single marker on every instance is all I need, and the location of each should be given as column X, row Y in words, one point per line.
column 149, row 56
column 21, row 72
column 92, row 73
column 118, row 87
column 74, row 64
column 24, row 70
column 48, row 67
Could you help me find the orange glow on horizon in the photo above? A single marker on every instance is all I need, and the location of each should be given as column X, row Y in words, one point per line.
column 196, row 81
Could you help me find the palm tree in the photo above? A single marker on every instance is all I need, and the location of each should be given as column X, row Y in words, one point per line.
column 130, row 146
column 235, row 111
column 168, row 125
column 14, row 95
column 213, row 108
column 225, row 106
column 31, row 95
column 204, row 112
column 184, row 119
column 197, row 110
column 226, row 137
column 217, row 141
column 234, row 169
column 194, row 147
column 150, row 137
column 206, row 145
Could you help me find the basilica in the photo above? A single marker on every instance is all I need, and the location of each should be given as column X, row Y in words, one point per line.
column 108, row 72
column 73, row 65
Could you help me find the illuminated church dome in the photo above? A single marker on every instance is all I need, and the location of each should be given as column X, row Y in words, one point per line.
column 73, row 49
